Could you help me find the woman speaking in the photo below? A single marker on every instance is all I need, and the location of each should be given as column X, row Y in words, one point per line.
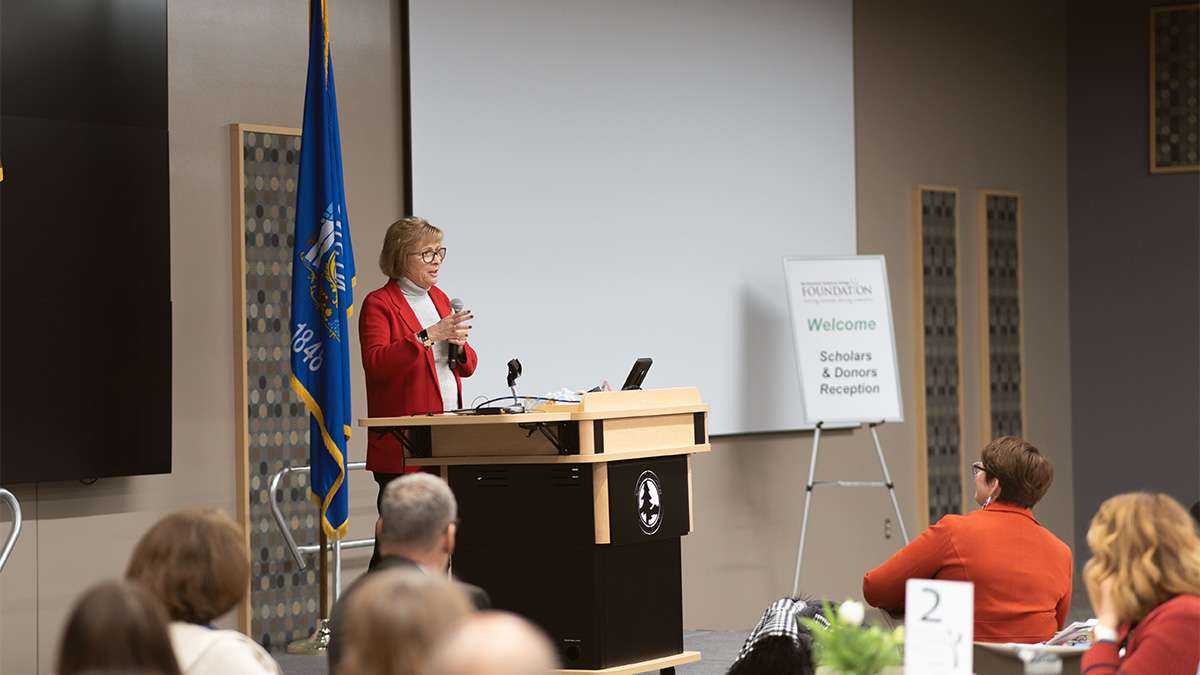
column 408, row 335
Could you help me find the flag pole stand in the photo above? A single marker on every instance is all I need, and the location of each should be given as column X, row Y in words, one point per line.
column 318, row 642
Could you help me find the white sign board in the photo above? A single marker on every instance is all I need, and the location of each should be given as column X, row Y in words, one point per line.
column 939, row 627
column 842, row 332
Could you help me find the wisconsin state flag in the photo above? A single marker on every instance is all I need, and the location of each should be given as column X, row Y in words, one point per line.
column 323, row 284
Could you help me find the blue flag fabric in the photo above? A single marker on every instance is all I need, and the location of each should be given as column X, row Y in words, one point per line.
column 323, row 283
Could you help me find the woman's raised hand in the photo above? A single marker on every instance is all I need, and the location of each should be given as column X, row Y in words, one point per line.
column 453, row 328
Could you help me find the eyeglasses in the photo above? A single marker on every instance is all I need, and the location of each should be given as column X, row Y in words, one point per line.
column 429, row 256
column 976, row 468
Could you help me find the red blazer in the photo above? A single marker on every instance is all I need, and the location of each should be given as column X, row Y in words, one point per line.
column 1166, row 642
column 1022, row 573
column 401, row 374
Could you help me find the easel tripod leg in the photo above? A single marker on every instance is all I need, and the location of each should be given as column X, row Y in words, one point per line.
column 808, row 491
column 887, row 477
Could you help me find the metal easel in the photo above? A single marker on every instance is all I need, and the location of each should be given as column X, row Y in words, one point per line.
column 812, row 483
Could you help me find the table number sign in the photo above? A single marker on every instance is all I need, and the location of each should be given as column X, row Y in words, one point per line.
column 939, row 621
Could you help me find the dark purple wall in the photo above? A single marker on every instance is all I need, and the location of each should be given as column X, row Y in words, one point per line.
column 1134, row 275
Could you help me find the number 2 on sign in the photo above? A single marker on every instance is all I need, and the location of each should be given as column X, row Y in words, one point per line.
column 937, row 600
column 938, row 627
column 312, row 352
column 953, row 639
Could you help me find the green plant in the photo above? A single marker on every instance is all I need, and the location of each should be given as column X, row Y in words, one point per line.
column 850, row 648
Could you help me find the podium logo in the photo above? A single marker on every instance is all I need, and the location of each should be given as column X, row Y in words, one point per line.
column 649, row 502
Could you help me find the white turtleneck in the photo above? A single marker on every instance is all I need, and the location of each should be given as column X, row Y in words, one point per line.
column 427, row 315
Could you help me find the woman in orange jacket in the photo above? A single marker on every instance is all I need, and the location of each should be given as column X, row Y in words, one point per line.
column 1022, row 573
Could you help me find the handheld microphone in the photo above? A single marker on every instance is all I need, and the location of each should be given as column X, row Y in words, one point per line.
column 456, row 353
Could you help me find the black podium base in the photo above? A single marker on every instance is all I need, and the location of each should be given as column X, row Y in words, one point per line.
column 527, row 536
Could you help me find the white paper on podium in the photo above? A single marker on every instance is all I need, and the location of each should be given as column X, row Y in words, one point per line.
column 939, row 627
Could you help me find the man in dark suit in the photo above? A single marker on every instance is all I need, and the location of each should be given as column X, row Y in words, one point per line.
column 418, row 521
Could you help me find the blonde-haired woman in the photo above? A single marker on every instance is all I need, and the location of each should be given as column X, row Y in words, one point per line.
column 1144, row 583
column 408, row 334
column 394, row 620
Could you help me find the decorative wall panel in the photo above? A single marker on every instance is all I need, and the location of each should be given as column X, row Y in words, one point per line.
column 1003, row 390
column 1175, row 89
column 938, row 349
column 284, row 601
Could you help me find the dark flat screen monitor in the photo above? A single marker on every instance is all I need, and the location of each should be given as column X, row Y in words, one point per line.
column 85, row 255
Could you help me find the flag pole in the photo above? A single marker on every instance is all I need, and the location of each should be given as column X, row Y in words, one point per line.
column 323, row 572
column 318, row 642
column 323, row 276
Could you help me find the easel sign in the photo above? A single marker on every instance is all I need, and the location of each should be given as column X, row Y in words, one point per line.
column 939, row 627
column 846, row 356
column 842, row 333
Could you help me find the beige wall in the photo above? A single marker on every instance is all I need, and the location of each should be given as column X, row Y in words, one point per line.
column 229, row 61
column 971, row 96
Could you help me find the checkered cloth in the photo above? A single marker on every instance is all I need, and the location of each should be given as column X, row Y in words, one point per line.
column 781, row 619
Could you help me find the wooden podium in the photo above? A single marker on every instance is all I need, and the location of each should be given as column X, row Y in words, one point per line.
column 571, row 516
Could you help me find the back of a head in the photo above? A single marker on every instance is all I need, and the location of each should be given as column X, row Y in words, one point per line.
column 1025, row 474
column 494, row 643
column 394, row 618
column 781, row 644
column 415, row 510
column 775, row 655
column 116, row 626
column 195, row 562
column 1147, row 543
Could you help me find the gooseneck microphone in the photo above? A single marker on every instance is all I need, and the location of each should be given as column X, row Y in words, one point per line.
column 514, row 371
column 455, row 353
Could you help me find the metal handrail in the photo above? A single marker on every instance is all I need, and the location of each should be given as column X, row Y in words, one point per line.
column 11, row 541
column 298, row 552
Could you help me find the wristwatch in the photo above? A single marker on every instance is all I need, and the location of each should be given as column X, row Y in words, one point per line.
column 423, row 336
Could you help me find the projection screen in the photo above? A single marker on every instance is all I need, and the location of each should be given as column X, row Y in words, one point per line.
column 621, row 178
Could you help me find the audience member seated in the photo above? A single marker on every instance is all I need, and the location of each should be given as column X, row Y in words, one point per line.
column 780, row 644
column 1144, row 584
column 1022, row 573
column 418, row 518
column 195, row 562
column 116, row 627
column 494, row 643
column 394, row 619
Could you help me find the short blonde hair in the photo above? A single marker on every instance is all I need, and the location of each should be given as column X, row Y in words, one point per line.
column 401, row 238
column 195, row 562
column 393, row 620
column 494, row 643
column 1147, row 544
